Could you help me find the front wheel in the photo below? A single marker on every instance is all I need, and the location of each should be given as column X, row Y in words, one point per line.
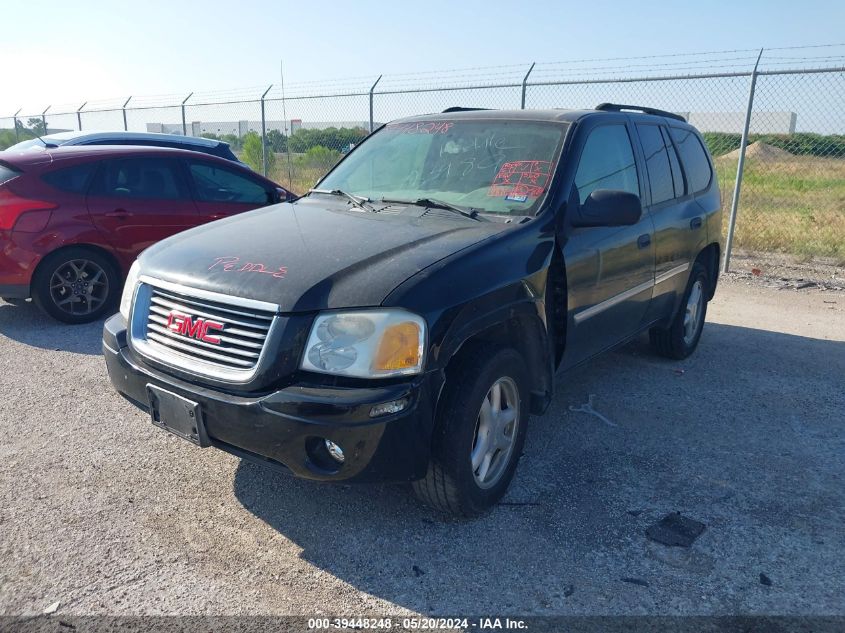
column 681, row 338
column 479, row 433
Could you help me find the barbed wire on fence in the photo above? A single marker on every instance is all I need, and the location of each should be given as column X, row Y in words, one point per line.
column 793, row 172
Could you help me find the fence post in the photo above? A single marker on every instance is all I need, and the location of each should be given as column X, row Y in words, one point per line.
column 15, row 122
column 264, row 132
column 372, row 88
column 184, row 124
column 79, row 115
column 740, row 167
column 44, row 118
column 525, row 86
column 125, row 124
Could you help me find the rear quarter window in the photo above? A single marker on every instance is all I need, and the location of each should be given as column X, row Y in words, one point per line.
column 71, row 179
column 694, row 159
column 7, row 173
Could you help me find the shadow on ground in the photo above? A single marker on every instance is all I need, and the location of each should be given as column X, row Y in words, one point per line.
column 26, row 324
column 745, row 436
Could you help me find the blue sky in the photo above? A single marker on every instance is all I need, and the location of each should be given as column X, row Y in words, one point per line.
column 69, row 52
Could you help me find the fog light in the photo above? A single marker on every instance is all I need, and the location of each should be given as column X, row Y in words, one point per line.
column 386, row 408
column 335, row 451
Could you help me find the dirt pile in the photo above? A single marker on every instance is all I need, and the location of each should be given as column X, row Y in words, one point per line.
column 763, row 152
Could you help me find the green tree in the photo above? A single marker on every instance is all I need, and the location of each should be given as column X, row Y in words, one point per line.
column 277, row 141
column 36, row 124
column 252, row 155
column 233, row 140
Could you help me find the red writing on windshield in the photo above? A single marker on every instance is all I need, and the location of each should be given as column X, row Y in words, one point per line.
column 521, row 178
column 422, row 127
column 234, row 264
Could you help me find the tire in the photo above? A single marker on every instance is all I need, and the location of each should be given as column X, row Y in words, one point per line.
column 76, row 285
column 680, row 339
column 452, row 484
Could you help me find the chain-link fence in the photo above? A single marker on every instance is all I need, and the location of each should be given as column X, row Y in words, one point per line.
column 774, row 127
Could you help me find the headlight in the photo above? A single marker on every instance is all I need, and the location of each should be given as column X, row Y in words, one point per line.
column 366, row 344
column 129, row 289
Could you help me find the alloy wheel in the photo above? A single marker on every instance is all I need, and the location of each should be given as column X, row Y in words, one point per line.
column 495, row 433
column 694, row 310
column 79, row 286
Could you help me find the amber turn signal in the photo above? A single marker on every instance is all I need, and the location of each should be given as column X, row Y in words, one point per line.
column 399, row 348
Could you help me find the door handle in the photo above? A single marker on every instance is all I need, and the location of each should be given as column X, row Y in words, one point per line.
column 120, row 214
column 644, row 240
column 695, row 223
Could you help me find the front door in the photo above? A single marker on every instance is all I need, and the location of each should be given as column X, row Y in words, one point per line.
column 610, row 270
column 221, row 192
column 138, row 201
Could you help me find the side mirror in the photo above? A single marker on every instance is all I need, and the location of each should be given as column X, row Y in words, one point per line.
column 608, row 207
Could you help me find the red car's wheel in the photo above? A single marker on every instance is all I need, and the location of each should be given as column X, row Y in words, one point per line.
column 76, row 285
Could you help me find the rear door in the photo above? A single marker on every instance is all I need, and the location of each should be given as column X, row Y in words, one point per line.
column 221, row 192
column 140, row 200
column 674, row 220
column 678, row 219
column 610, row 270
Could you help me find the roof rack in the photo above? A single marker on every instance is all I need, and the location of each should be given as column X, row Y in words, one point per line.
column 461, row 109
column 618, row 107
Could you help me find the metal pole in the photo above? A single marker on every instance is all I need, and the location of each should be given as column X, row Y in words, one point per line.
column 125, row 124
column 15, row 122
column 79, row 115
column 740, row 166
column 184, row 124
column 44, row 118
column 372, row 88
column 264, row 133
column 525, row 85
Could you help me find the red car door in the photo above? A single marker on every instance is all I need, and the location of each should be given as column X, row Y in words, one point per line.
column 140, row 200
column 220, row 191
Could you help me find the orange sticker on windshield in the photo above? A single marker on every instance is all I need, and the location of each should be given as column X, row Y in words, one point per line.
column 521, row 178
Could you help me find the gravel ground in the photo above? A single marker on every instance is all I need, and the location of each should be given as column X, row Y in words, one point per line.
column 103, row 513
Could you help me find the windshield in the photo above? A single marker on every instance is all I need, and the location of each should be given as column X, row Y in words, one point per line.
column 492, row 165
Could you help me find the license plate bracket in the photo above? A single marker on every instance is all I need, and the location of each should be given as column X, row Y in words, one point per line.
column 177, row 415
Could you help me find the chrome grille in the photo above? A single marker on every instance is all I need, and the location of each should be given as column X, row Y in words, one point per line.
column 245, row 328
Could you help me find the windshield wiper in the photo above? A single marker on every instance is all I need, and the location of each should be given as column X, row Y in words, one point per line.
column 359, row 201
column 470, row 213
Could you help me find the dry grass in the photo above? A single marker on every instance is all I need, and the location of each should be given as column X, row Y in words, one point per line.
column 794, row 206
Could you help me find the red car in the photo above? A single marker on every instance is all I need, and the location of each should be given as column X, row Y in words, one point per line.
column 73, row 219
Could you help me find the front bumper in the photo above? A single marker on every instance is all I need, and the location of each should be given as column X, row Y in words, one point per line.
column 284, row 428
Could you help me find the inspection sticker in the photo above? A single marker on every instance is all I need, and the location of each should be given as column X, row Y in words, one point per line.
column 521, row 179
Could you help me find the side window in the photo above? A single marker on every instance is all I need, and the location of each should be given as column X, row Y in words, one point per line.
column 674, row 161
column 657, row 163
column 71, row 179
column 607, row 162
column 218, row 184
column 694, row 159
column 143, row 177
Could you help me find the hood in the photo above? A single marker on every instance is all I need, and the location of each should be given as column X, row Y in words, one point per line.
column 314, row 254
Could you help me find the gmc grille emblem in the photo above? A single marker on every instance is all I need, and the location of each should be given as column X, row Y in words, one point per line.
column 198, row 329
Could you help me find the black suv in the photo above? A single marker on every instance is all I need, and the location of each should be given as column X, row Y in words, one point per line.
column 402, row 320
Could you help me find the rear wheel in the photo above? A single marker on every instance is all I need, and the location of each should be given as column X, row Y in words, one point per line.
column 76, row 285
column 681, row 338
column 479, row 433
